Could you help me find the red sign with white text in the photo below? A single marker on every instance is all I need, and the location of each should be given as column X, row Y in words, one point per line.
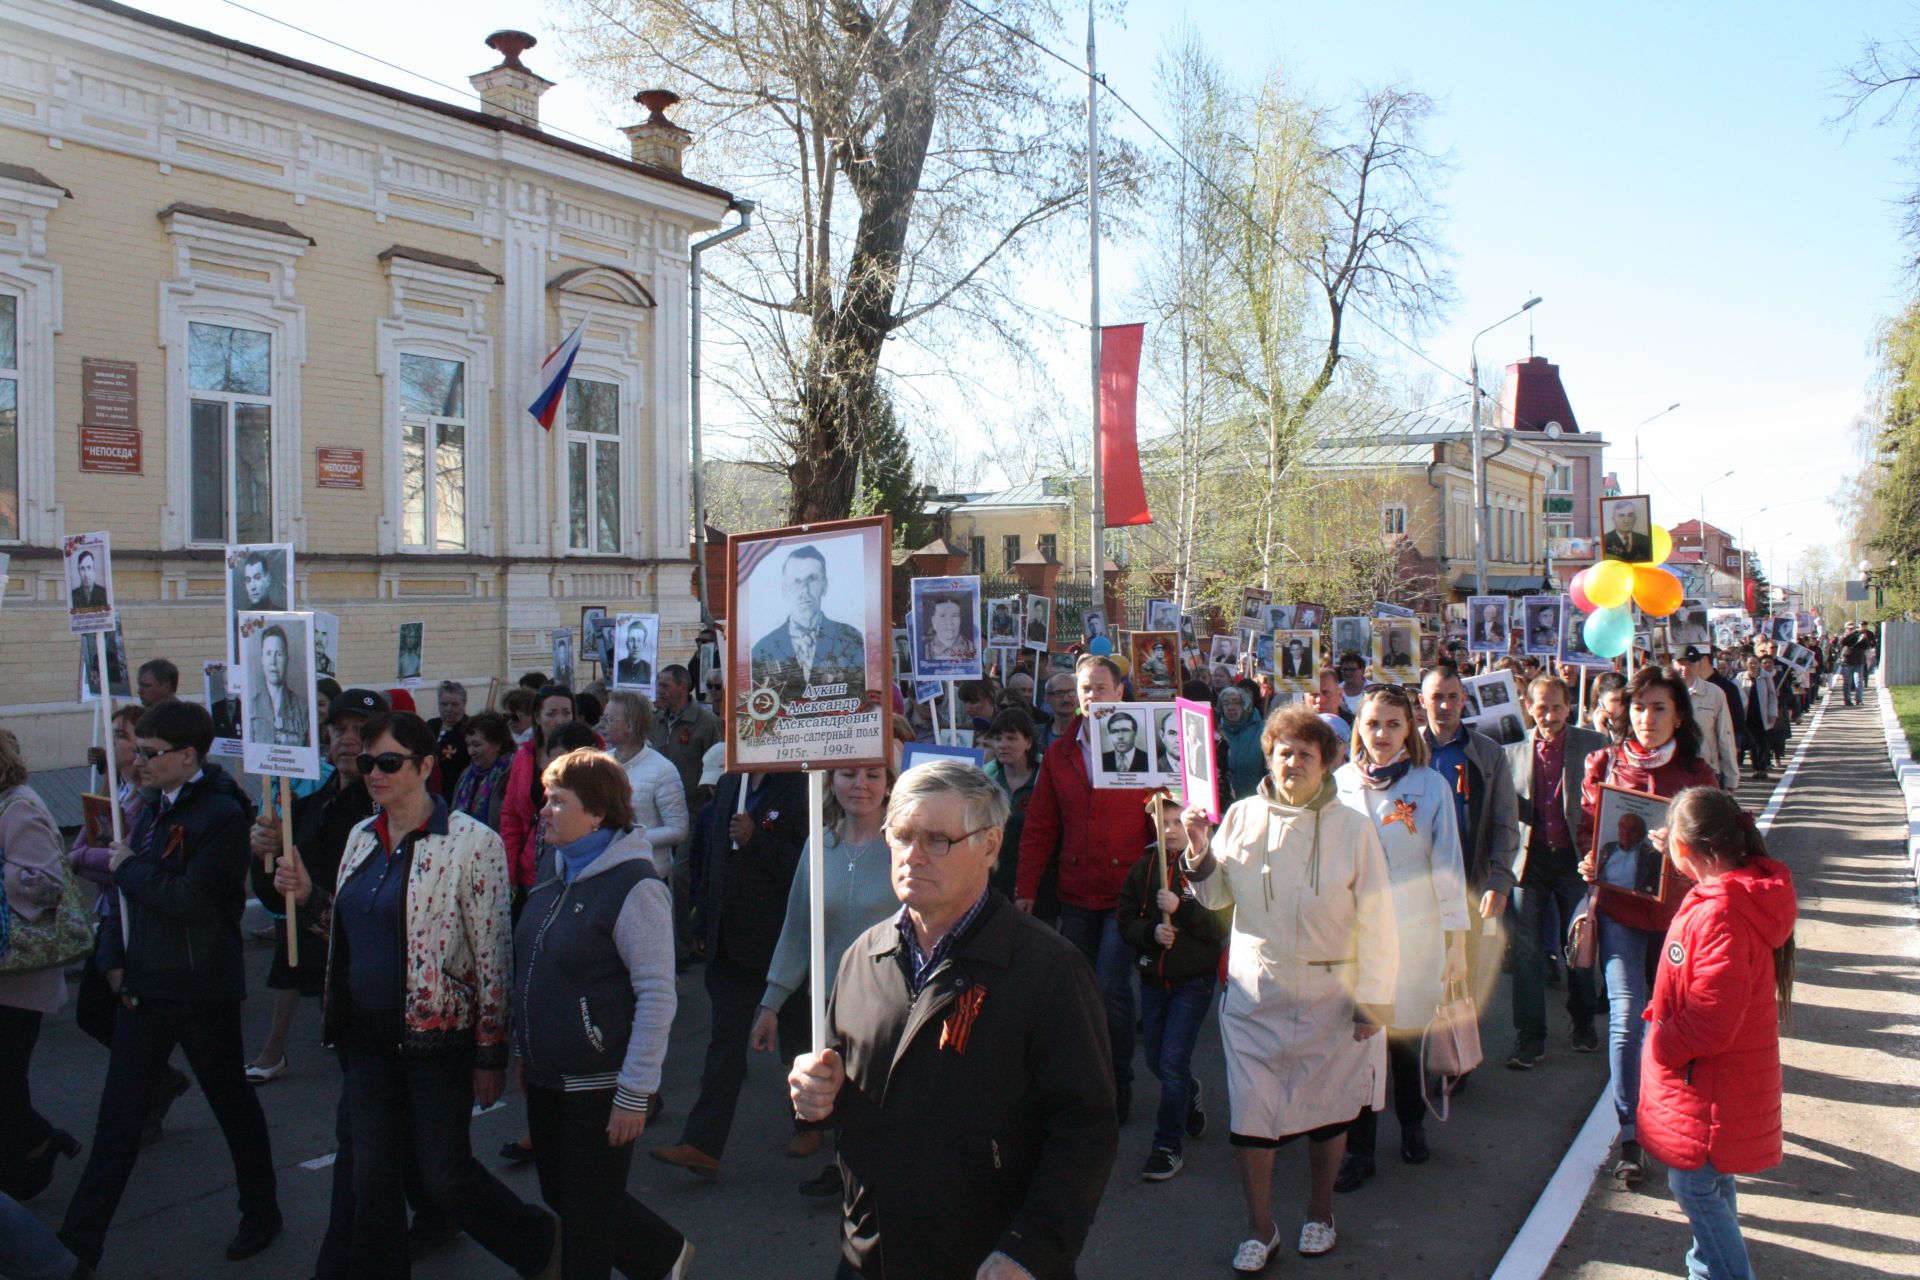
column 112, row 450
column 341, row 468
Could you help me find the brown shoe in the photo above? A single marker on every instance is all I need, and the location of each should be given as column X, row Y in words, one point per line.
column 805, row 1144
column 688, row 1157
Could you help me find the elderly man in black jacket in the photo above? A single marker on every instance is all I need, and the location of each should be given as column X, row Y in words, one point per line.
column 968, row 1070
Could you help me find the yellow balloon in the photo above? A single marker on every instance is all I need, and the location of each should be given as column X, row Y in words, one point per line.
column 1662, row 545
column 1609, row 584
column 1656, row 590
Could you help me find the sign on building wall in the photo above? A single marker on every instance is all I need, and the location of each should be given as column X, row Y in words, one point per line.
column 341, row 468
column 109, row 393
column 110, row 450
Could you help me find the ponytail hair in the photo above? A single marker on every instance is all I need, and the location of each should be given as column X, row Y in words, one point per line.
column 1713, row 826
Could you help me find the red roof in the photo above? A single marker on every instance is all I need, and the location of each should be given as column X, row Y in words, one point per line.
column 1534, row 397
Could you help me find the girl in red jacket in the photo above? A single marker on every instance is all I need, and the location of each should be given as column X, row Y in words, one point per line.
column 1710, row 1083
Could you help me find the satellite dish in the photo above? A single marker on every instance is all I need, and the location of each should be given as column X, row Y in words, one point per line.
column 1553, row 430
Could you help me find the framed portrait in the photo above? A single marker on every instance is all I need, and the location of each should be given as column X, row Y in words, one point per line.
column 926, row 691
column 1429, row 647
column 259, row 580
column 1003, row 623
column 1488, row 628
column 636, row 652
column 96, row 818
column 1162, row 615
column 278, row 727
column 1154, row 657
column 1396, row 650
column 561, row 639
column 1253, row 608
column 1199, row 782
column 1493, row 707
column 955, row 738
column 1256, row 649
column 1626, row 529
column 918, row 753
column 593, row 619
column 1093, row 625
column 1060, row 664
column 1623, row 856
column 1190, row 631
column 1126, row 749
column 1382, row 609
column 87, row 560
column 119, row 678
column 807, row 654
column 411, row 655
column 1309, row 617
column 1279, row 618
column 1786, row 628
column 946, row 628
column 902, row 654
column 1037, row 626
column 1540, row 625
column 1573, row 640
column 223, row 703
column 1223, row 650
column 1297, row 653
column 1352, row 635
column 326, row 645
column 1797, row 656
column 1690, row 625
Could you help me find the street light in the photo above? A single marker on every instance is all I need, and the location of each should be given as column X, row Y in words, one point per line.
column 1744, row 553
column 1703, row 526
column 1636, row 441
column 1479, row 456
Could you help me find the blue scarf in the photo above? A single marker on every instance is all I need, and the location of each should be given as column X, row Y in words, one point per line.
column 574, row 857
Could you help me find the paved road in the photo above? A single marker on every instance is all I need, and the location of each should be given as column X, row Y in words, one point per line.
column 1451, row 1218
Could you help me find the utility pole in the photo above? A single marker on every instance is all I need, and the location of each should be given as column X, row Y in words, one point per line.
column 1096, row 570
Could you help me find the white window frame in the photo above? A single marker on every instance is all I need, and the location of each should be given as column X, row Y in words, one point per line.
column 615, row 348
column 1393, row 518
column 1559, row 529
column 566, row 437
column 35, row 283
column 1560, row 478
column 230, row 402
column 243, row 278
column 432, row 428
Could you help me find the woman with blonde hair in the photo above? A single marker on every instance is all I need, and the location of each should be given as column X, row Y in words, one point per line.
column 1411, row 810
column 659, row 797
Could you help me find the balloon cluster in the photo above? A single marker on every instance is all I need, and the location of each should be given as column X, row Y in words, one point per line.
column 1602, row 591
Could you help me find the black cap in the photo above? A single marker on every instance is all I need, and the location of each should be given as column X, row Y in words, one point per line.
column 356, row 702
column 1693, row 654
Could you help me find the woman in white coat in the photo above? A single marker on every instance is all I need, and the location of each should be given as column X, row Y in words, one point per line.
column 1411, row 809
column 659, row 797
column 1310, row 970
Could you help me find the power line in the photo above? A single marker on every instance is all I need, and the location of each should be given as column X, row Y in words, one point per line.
column 1203, row 175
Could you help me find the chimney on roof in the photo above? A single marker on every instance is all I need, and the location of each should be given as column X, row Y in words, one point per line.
column 511, row 91
column 657, row 140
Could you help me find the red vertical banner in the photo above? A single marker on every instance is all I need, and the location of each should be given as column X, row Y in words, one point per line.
column 1124, row 494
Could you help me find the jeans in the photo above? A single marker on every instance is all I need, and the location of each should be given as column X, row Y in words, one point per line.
column 1409, row 1104
column 337, row 1243
column 21, row 1127
column 1853, row 686
column 1097, row 934
column 1623, row 958
column 1171, row 1017
column 143, row 1038
column 1533, row 907
column 734, row 990
column 425, row 1101
column 1719, row 1252
column 28, row 1251
column 1759, row 743
column 584, row 1180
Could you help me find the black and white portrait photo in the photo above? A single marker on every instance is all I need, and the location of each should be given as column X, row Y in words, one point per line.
column 1253, row 608
column 1396, row 650
column 946, row 627
column 1162, row 616
column 223, row 703
column 411, row 655
column 1297, row 654
column 1224, row 651
column 636, row 644
column 1487, row 627
column 1093, row 625
column 594, row 645
column 1003, row 623
column 1573, row 639
column 1689, row 625
column 257, row 582
column 1199, row 787
column 1038, row 627
column 280, row 731
column 326, row 645
column 1540, row 625
column 119, row 682
column 1279, row 617
column 1493, row 707
column 561, row 639
column 1626, row 529
column 88, row 563
column 1352, row 635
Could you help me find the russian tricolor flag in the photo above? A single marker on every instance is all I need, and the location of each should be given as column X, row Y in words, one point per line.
column 553, row 377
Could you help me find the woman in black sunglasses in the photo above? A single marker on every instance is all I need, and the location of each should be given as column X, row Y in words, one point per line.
column 416, row 1001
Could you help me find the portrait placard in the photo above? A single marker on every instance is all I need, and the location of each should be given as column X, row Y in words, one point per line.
column 1626, row 529
column 1155, row 661
column 1396, row 650
column 88, row 561
column 1093, row 625
column 1298, row 653
column 119, row 681
column 1162, row 615
column 1798, row 656
column 280, row 732
column 1279, row 618
column 1382, row 609
column 259, row 578
column 1038, row 624
column 1199, row 783
column 411, row 659
column 1573, row 639
column 1256, row 650
column 1253, row 608
column 1190, row 631
column 807, row 654
column 946, row 628
column 919, row 753
column 593, row 646
column 902, row 654
column 1309, row 617
column 636, row 652
column 561, row 641
column 1352, row 635
column 1223, row 650
column 1540, row 625
column 1493, row 707
column 1623, row 856
column 1784, row 628
column 1488, row 628
column 223, row 703
column 326, row 645
column 1690, row 625
column 1003, row 623
column 1137, row 745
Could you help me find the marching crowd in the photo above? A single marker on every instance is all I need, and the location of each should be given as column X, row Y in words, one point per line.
column 511, row 893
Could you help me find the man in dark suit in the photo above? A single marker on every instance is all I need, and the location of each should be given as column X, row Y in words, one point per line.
column 262, row 592
column 1296, row 660
column 809, row 648
column 634, row 668
column 1490, row 627
column 1399, row 649
column 1627, row 540
column 1122, row 755
column 1548, row 766
column 89, row 594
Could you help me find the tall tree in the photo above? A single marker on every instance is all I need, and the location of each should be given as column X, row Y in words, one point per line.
column 909, row 155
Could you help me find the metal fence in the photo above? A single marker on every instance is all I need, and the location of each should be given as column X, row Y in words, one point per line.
column 1900, row 652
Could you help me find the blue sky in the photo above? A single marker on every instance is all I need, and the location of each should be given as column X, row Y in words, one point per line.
column 1664, row 175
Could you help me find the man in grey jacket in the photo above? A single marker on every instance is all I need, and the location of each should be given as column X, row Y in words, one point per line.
column 1547, row 768
column 1476, row 768
column 1719, row 744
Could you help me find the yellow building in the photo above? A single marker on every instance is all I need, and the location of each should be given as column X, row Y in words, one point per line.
column 245, row 298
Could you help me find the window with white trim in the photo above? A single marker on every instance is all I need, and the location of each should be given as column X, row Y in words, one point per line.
column 1559, row 529
column 593, row 444
column 9, row 417
column 1393, row 517
column 1562, row 479
column 433, row 453
column 230, row 446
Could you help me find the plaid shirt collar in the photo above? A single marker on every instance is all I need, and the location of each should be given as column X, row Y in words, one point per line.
column 920, row 965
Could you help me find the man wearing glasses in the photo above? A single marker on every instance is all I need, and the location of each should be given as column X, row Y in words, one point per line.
column 181, row 875
column 1062, row 705
column 966, row 1071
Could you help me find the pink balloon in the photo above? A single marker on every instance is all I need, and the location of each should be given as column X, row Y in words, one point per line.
column 1577, row 592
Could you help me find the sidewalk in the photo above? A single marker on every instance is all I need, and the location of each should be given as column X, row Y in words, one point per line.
column 1842, row 1205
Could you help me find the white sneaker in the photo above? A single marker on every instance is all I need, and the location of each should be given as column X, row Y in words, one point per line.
column 1317, row 1238
column 1252, row 1256
column 260, row 1075
column 681, row 1263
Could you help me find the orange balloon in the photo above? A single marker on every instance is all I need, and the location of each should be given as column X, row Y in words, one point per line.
column 1657, row 591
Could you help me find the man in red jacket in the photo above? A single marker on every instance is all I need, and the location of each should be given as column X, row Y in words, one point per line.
column 1097, row 836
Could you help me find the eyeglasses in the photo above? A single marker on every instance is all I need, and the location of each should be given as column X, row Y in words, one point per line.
column 141, row 753
column 385, row 762
column 935, row 844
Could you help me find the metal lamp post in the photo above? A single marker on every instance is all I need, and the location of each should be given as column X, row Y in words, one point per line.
column 1703, row 529
column 1636, row 441
column 1479, row 454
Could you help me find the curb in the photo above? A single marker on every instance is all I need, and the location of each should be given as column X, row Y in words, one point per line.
column 1905, row 772
column 1545, row 1229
